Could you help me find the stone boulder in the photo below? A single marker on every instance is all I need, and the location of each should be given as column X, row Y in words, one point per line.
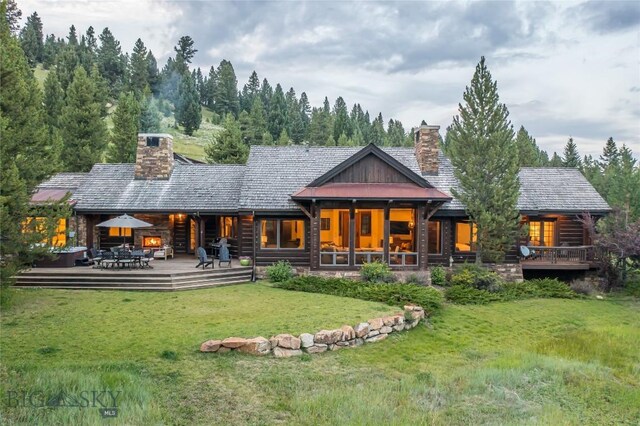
column 306, row 340
column 361, row 329
column 373, row 333
column 377, row 338
column 317, row 348
column 398, row 327
column 375, row 323
column 234, row 342
column 210, row 346
column 256, row 346
column 328, row 337
column 348, row 333
column 286, row 341
column 388, row 321
column 386, row 329
column 223, row 350
column 279, row 352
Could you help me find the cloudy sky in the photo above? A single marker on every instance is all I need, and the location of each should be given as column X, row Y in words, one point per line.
column 563, row 68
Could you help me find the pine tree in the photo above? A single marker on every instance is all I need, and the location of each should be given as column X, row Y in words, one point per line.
column 610, row 154
column 258, row 122
column 110, row 62
column 32, row 39
column 528, row 152
column 184, row 54
column 305, row 112
column 227, row 146
column 395, row 134
column 13, row 15
column 66, row 63
column 283, row 139
column 126, row 121
column 153, row 75
column 53, row 100
column 341, row 122
column 84, row 132
column 188, row 112
column 150, row 119
column 226, row 90
column 277, row 118
column 484, row 156
column 246, row 130
column 250, row 91
column 377, row 134
column 556, row 160
column 571, row 157
column 139, row 68
column 266, row 93
column 49, row 51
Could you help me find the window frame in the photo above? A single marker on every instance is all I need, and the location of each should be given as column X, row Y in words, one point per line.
column 542, row 222
column 471, row 242
column 440, row 227
column 234, row 227
column 278, row 232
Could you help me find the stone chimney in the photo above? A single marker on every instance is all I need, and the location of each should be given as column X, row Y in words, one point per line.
column 154, row 157
column 427, row 148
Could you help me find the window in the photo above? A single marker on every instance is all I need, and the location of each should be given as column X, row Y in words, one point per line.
column 228, row 227
column 325, row 223
column 365, row 224
column 334, row 237
column 282, row 234
column 435, row 235
column 56, row 236
column 153, row 141
column 466, row 236
column 119, row 232
column 542, row 233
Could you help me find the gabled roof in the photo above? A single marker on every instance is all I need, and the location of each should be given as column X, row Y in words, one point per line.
column 191, row 188
column 374, row 150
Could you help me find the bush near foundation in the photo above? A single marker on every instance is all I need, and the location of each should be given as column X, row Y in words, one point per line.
column 279, row 271
column 392, row 294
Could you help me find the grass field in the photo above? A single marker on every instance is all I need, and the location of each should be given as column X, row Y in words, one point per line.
column 529, row 362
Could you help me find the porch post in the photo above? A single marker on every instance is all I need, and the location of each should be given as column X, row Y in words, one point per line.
column 314, row 236
column 352, row 234
column 422, row 236
column 385, row 246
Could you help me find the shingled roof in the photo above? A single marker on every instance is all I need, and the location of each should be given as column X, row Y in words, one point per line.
column 191, row 188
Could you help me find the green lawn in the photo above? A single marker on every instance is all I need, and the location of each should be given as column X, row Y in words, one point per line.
column 531, row 362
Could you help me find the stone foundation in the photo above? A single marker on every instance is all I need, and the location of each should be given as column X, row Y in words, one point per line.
column 510, row 272
column 287, row 345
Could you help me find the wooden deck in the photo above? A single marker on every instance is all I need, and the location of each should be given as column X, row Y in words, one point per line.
column 560, row 258
column 166, row 275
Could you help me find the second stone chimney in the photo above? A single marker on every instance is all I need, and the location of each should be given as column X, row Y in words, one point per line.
column 154, row 156
column 427, row 148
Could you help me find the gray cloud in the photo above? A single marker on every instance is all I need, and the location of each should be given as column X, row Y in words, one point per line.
column 607, row 16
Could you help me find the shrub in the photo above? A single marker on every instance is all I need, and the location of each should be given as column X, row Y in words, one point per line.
column 478, row 278
column 391, row 294
column 467, row 295
column 582, row 287
column 463, row 278
column 552, row 287
column 279, row 271
column 417, row 279
column 375, row 272
column 438, row 276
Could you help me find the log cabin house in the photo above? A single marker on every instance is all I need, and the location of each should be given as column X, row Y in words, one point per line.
column 321, row 208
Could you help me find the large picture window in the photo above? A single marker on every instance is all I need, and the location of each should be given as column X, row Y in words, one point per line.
column 466, row 236
column 119, row 232
column 41, row 225
column 282, row 234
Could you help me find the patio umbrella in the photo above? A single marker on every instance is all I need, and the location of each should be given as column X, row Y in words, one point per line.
column 124, row 221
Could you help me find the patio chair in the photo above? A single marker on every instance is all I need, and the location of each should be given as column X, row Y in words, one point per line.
column 224, row 255
column 164, row 253
column 95, row 257
column 204, row 259
column 108, row 260
column 527, row 253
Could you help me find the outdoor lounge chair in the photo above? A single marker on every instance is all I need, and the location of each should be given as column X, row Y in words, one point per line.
column 164, row 253
column 204, row 259
column 527, row 253
column 224, row 255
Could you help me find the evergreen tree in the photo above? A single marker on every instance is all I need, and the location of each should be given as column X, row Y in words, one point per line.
column 49, row 51
column 267, row 139
column 66, row 62
column 571, row 157
column 246, row 129
column 319, row 129
column 92, row 42
column 250, row 91
column 227, row 146
column 184, row 54
column 528, row 152
column 153, row 75
column 150, row 118
column 556, row 160
column 13, row 15
column 610, row 154
column 277, row 118
column 485, row 160
column 210, row 88
column 226, row 90
column 84, row 132
column 188, row 112
column 72, row 37
column 126, row 121
column 101, row 90
column 139, row 68
column 258, row 122
column 305, row 112
column 284, row 140
column 341, row 122
column 266, row 93
column 377, row 134
column 357, row 139
column 110, row 62
column 395, row 134
column 343, row 140
column 53, row 100
column 32, row 39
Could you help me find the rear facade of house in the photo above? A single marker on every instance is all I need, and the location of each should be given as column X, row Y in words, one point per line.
column 320, row 208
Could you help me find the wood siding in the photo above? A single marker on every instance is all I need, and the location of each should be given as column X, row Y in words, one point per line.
column 370, row 170
column 245, row 236
column 570, row 231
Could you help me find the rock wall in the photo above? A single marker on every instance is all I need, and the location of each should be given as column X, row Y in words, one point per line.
column 510, row 272
column 287, row 345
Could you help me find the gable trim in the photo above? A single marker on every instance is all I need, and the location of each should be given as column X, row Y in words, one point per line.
column 379, row 153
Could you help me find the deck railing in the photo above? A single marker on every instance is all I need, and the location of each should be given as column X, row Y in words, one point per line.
column 575, row 254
